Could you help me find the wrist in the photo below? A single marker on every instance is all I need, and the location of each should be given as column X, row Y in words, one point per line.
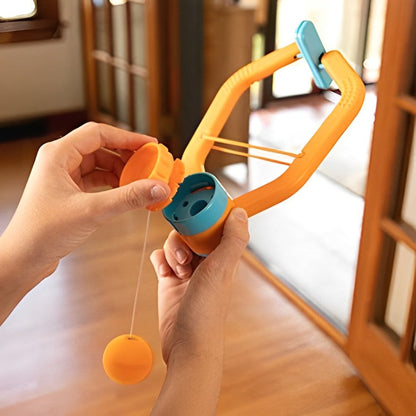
column 193, row 377
column 25, row 248
column 21, row 270
column 183, row 356
column 196, row 339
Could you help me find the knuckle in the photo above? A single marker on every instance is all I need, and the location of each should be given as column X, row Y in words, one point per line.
column 47, row 150
column 171, row 241
column 155, row 255
column 46, row 147
column 134, row 198
column 91, row 125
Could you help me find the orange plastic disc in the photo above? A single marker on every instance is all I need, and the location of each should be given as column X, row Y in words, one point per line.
column 154, row 161
column 127, row 359
column 176, row 177
column 151, row 161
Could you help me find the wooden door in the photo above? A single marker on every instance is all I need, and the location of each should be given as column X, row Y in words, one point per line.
column 381, row 341
column 122, row 44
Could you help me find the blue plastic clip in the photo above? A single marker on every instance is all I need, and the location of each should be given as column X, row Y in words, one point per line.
column 311, row 48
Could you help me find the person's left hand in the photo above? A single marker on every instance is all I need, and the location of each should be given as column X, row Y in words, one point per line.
column 57, row 213
column 194, row 292
column 193, row 299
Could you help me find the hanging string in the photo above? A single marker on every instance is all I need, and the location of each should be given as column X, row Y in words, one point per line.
column 146, row 232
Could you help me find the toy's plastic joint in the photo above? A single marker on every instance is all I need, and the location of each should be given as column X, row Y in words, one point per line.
column 198, row 204
column 312, row 49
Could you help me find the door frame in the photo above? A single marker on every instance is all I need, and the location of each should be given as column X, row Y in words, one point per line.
column 383, row 360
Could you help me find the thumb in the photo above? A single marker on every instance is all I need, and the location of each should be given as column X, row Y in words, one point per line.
column 138, row 194
column 212, row 281
column 235, row 236
column 231, row 247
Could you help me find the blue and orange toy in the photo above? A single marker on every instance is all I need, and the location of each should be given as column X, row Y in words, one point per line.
column 199, row 205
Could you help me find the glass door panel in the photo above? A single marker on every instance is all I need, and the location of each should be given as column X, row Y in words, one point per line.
column 138, row 34
column 400, row 291
column 103, row 87
column 141, row 111
column 101, row 26
column 122, row 95
column 409, row 200
column 119, row 21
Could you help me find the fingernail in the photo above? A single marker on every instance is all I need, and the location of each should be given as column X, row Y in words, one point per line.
column 240, row 214
column 163, row 270
column 158, row 192
column 181, row 271
column 181, row 255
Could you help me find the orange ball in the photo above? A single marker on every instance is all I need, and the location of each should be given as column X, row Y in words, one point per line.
column 127, row 359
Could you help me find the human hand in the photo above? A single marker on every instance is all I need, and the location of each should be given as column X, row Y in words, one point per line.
column 193, row 296
column 57, row 212
column 194, row 292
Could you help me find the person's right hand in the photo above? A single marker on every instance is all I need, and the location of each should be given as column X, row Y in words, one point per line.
column 194, row 292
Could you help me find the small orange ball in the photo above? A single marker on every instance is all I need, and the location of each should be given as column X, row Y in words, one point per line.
column 127, row 359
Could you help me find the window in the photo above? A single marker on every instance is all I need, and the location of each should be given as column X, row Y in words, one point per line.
column 18, row 9
column 27, row 20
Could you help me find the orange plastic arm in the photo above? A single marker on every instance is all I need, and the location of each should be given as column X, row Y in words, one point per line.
column 300, row 170
column 220, row 109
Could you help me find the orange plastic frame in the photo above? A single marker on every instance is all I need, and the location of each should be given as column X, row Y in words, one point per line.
column 307, row 161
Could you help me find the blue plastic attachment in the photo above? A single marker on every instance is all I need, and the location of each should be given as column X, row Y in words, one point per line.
column 311, row 48
column 197, row 205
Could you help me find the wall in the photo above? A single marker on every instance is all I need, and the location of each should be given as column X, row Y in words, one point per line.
column 44, row 77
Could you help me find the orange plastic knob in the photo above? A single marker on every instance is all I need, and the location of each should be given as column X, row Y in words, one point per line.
column 127, row 359
column 154, row 161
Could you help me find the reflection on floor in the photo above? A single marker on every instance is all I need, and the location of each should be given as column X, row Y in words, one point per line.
column 311, row 240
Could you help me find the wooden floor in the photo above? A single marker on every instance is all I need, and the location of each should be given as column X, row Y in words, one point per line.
column 277, row 361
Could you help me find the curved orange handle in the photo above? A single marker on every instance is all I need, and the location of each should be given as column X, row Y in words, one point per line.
column 300, row 170
column 218, row 112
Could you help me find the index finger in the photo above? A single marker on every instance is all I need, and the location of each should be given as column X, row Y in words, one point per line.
column 91, row 136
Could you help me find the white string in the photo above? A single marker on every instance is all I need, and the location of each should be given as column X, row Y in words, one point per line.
column 146, row 232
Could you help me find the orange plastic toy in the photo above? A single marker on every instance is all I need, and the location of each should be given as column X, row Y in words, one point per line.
column 198, row 207
column 325, row 66
column 200, row 224
column 154, row 161
column 127, row 359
